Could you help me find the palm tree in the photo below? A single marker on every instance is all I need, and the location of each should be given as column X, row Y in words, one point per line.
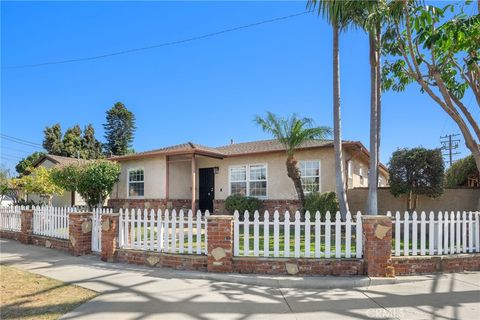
column 369, row 15
column 339, row 15
column 292, row 132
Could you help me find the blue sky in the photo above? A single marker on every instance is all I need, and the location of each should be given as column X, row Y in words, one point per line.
column 205, row 91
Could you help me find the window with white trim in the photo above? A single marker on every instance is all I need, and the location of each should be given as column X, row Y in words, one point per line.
column 136, row 186
column 310, row 175
column 249, row 180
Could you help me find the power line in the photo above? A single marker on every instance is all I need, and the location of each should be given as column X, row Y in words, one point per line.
column 11, row 156
column 21, row 141
column 15, row 149
column 164, row 44
column 449, row 145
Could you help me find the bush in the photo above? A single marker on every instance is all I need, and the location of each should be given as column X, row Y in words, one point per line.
column 459, row 172
column 321, row 202
column 242, row 203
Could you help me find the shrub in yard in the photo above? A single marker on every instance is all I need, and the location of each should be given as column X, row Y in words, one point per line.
column 321, row 202
column 242, row 203
column 459, row 172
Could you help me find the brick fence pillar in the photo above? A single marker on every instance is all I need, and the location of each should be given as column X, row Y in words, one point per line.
column 220, row 243
column 109, row 236
column 377, row 246
column 26, row 227
column 80, row 232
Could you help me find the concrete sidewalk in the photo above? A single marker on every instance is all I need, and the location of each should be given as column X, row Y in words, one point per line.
column 133, row 292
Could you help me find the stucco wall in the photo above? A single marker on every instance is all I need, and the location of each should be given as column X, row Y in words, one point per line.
column 154, row 175
column 279, row 186
column 180, row 173
column 452, row 200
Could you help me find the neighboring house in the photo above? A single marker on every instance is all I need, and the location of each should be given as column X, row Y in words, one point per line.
column 195, row 176
column 67, row 198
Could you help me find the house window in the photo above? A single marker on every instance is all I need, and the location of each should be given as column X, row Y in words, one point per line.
column 249, row 180
column 310, row 173
column 136, row 183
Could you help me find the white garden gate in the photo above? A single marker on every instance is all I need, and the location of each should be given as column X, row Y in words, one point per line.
column 97, row 228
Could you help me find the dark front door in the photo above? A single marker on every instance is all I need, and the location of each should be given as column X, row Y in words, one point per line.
column 206, row 187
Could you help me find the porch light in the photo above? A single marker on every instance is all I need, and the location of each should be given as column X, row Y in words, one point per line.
column 216, row 170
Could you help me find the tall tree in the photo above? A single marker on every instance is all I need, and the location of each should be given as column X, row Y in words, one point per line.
column 292, row 132
column 52, row 141
column 370, row 16
column 439, row 49
column 416, row 171
column 91, row 147
column 26, row 164
column 119, row 130
column 72, row 142
column 339, row 15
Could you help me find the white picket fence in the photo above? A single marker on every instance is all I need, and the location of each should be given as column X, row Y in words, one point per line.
column 318, row 238
column 439, row 234
column 10, row 217
column 51, row 221
column 97, row 228
column 163, row 231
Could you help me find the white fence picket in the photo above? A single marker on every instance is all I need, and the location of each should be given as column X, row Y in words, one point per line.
column 256, row 224
column 327, row 234
column 317, row 235
column 447, row 233
column 358, row 236
column 10, row 218
column 286, row 234
column 307, row 234
column 51, row 221
column 296, row 245
column 163, row 231
column 348, row 236
column 276, row 234
column 266, row 234
column 414, row 233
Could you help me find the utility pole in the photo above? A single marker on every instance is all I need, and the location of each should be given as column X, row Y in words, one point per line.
column 449, row 144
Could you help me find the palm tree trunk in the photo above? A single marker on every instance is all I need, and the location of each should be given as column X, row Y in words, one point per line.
column 372, row 175
column 337, row 136
column 294, row 174
column 379, row 93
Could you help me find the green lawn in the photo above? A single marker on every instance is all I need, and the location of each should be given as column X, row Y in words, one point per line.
column 281, row 246
column 291, row 246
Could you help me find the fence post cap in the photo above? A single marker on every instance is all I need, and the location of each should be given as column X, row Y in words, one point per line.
column 376, row 217
column 220, row 216
column 113, row 214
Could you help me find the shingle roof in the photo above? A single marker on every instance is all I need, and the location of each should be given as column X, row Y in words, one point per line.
column 188, row 147
column 234, row 149
column 59, row 160
column 266, row 146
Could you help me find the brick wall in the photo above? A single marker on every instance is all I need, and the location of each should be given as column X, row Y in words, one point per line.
column 14, row 235
column 303, row 267
column 54, row 243
column 151, row 203
column 167, row 260
column 426, row 264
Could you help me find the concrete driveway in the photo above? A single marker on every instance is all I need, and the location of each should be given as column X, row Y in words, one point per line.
column 132, row 292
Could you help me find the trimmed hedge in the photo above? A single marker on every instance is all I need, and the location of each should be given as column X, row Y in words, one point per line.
column 242, row 203
column 321, row 202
